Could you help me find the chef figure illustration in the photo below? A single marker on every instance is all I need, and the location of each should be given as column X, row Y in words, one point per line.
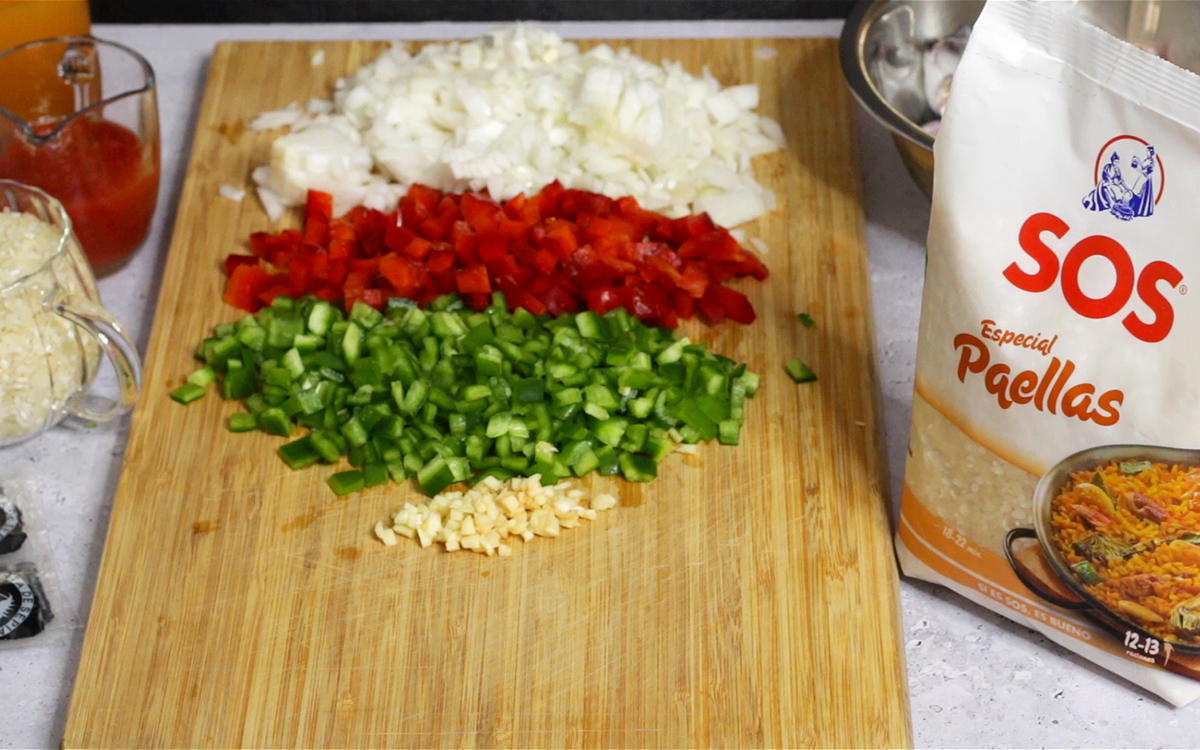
column 1123, row 198
column 1142, row 186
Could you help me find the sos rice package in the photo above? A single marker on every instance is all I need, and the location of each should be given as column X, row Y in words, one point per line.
column 1054, row 462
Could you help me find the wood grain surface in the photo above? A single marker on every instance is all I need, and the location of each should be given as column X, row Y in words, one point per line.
column 747, row 597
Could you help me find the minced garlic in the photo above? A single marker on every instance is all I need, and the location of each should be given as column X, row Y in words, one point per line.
column 483, row 518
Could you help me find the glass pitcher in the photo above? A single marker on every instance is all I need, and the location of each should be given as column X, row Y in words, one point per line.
column 79, row 119
column 52, row 325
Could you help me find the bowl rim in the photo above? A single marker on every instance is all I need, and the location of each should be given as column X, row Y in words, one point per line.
column 854, row 68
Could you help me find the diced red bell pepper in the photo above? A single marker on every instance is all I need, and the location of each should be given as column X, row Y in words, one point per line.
column 719, row 247
column 368, row 266
column 683, row 303
column 556, row 251
column 722, row 272
column 367, row 222
column 320, row 265
column 550, row 199
column 603, row 299
column 436, row 228
column 233, row 261
column 752, row 266
column 463, row 239
column 259, row 242
column 608, row 228
column 514, row 206
column 373, row 245
column 519, row 298
column 373, row 297
column 397, row 237
column 353, row 288
column 318, row 205
column 559, row 302
column 402, row 273
column 341, row 229
column 736, row 305
column 558, row 236
column 505, row 266
column 491, row 246
column 512, row 230
column 473, row 280
column 316, row 231
column 720, row 302
column 299, row 273
column 318, row 210
column 480, row 214
column 692, row 225
column 327, row 293
column 618, row 267
column 477, row 302
column 244, row 285
column 441, row 284
column 418, row 248
column 276, row 289
column 628, row 207
column 693, row 280
column 418, row 204
column 545, row 261
column 540, row 285
column 647, row 301
column 576, row 202
column 523, row 252
column 337, row 272
column 440, row 261
column 661, row 229
column 340, row 249
column 711, row 309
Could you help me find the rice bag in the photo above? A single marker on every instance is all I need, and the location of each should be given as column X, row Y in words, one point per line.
column 1054, row 472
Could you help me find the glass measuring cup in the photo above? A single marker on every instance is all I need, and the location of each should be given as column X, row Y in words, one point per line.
column 52, row 325
column 79, row 119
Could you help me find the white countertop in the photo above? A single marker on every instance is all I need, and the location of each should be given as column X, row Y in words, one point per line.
column 975, row 679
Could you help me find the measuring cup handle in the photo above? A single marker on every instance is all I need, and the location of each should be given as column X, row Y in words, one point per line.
column 120, row 350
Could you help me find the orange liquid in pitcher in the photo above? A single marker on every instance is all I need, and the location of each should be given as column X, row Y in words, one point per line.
column 29, row 20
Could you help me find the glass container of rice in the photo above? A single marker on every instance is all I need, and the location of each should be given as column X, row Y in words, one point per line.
column 53, row 327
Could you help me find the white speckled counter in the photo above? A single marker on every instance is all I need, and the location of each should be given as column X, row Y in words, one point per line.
column 976, row 680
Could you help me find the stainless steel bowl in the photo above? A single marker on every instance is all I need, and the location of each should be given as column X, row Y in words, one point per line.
column 1172, row 29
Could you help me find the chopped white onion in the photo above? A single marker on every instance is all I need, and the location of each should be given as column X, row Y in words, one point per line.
column 323, row 157
column 732, row 208
column 276, row 118
column 270, row 203
column 519, row 108
column 318, row 106
column 318, row 58
column 231, row 192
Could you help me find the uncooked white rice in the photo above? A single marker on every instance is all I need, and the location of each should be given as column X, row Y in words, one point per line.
column 44, row 359
column 970, row 488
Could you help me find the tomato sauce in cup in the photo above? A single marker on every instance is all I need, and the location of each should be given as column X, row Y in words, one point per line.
column 99, row 154
column 102, row 174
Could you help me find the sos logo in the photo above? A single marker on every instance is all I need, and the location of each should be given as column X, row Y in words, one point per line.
column 1128, row 279
column 1128, row 185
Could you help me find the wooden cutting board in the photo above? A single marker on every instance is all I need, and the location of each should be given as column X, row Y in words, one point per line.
column 747, row 597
